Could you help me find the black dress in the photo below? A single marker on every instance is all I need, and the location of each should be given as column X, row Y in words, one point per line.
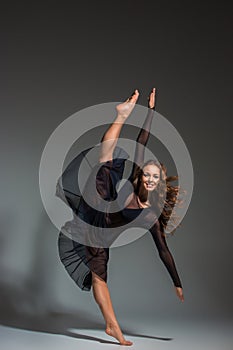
column 85, row 247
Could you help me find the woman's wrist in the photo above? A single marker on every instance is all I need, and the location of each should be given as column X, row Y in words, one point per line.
column 153, row 108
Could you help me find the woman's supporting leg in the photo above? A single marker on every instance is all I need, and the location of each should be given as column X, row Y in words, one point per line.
column 103, row 299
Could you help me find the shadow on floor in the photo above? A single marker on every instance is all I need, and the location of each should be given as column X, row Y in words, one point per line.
column 57, row 323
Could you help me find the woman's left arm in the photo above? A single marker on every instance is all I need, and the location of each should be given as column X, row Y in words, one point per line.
column 166, row 257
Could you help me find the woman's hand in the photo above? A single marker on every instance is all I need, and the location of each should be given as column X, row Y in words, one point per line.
column 151, row 99
column 179, row 293
column 124, row 109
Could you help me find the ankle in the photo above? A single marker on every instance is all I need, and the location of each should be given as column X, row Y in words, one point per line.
column 121, row 117
column 112, row 324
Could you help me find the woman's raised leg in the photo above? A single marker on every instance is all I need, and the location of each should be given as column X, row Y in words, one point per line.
column 103, row 299
column 111, row 136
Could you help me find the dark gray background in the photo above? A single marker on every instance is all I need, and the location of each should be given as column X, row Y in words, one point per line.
column 58, row 59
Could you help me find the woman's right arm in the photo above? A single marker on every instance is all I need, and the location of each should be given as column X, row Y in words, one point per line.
column 143, row 136
column 110, row 137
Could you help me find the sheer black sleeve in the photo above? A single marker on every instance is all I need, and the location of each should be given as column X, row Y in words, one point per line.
column 164, row 253
column 142, row 140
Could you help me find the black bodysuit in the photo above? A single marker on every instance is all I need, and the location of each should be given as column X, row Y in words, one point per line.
column 80, row 258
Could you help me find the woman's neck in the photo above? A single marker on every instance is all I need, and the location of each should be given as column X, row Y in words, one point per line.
column 144, row 198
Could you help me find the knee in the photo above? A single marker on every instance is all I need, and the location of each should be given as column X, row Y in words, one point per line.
column 99, row 288
column 97, row 279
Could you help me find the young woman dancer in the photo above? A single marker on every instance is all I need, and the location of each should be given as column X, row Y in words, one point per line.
column 87, row 265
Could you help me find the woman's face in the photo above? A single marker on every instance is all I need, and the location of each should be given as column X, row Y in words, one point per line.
column 150, row 177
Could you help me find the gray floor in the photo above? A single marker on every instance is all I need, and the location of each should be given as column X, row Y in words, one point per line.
column 66, row 331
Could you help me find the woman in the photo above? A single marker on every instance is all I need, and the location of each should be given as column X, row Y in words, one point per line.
column 87, row 264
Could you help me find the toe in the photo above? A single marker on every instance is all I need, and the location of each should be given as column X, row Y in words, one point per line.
column 134, row 97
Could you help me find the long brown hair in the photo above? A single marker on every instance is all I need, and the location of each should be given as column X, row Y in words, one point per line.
column 163, row 198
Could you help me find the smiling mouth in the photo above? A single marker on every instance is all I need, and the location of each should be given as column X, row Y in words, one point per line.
column 150, row 184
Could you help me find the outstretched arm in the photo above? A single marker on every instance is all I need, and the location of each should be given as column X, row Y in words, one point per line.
column 143, row 135
column 111, row 136
column 166, row 257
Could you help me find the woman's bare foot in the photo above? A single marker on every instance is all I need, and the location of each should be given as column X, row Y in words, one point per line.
column 114, row 331
column 151, row 99
column 124, row 109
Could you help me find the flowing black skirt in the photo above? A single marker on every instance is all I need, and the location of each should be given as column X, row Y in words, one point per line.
column 78, row 256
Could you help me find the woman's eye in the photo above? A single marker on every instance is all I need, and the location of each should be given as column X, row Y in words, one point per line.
column 148, row 175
